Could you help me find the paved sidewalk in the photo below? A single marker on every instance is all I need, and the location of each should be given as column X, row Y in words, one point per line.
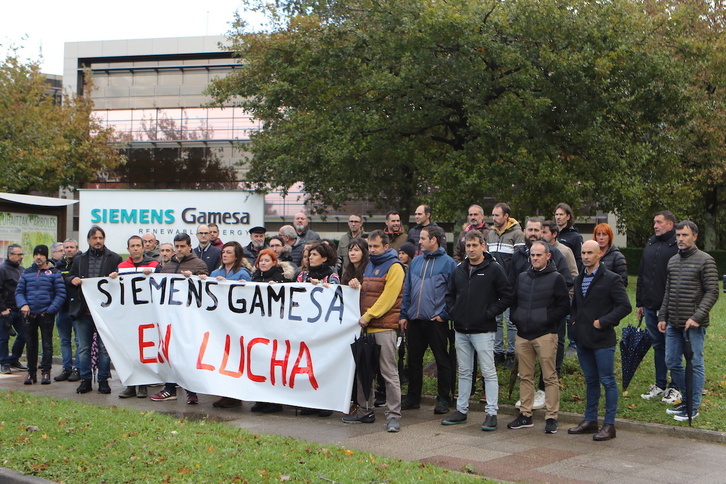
column 641, row 453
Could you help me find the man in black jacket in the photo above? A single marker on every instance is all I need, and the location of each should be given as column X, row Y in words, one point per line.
column 541, row 301
column 478, row 291
column 649, row 296
column 599, row 303
column 97, row 261
column 64, row 321
column 12, row 321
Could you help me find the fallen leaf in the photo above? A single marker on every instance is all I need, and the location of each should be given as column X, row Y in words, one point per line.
column 284, row 478
column 32, row 428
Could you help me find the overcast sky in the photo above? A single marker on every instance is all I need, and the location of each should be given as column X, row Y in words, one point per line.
column 44, row 26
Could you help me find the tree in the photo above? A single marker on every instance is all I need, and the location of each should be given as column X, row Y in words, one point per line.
column 452, row 102
column 43, row 146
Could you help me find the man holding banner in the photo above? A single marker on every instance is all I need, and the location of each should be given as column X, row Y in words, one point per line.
column 381, row 296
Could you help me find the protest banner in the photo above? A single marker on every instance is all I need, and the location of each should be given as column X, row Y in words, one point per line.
column 278, row 343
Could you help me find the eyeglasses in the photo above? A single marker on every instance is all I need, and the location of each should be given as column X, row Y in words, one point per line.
column 18, row 253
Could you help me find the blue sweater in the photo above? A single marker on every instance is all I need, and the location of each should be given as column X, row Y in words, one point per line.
column 427, row 281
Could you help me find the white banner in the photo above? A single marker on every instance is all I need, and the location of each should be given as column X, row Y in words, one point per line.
column 277, row 343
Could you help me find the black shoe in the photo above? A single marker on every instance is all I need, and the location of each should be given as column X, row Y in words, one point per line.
column 409, row 404
column 258, row 407
column 325, row 413
column 521, row 422
column 308, row 411
column 380, row 401
column 103, row 387
column 30, row 379
column 442, row 406
column 551, row 426
column 490, row 423
column 65, row 374
column 369, row 417
column 272, row 408
column 45, row 378
column 85, row 386
column 5, row 369
column 75, row 375
column 18, row 365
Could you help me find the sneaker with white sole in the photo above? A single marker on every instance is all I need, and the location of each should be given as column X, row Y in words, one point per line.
column 539, row 399
column 683, row 416
column 653, row 392
column 672, row 396
column 393, row 425
column 678, row 409
column 551, row 426
column 521, row 422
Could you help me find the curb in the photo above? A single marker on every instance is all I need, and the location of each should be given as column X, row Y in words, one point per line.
column 703, row 435
column 9, row 476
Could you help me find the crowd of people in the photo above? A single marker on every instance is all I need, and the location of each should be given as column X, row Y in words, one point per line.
column 540, row 284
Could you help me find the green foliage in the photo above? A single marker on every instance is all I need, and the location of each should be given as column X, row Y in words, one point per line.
column 453, row 102
column 67, row 441
column 43, row 146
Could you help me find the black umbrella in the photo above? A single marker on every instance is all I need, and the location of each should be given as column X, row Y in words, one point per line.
column 688, row 354
column 634, row 345
column 513, row 375
column 366, row 354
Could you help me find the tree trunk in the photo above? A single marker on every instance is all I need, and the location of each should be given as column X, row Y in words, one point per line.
column 710, row 219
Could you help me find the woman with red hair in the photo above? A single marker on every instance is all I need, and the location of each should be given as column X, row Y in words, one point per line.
column 612, row 258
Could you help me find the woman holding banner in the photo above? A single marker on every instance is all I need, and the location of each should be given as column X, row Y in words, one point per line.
column 234, row 265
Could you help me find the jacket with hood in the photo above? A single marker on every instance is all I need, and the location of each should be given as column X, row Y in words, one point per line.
column 426, row 285
column 477, row 294
column 42, row 290
column 652, row 270
column 381, row 291
column 691, row 288
column 541, row 300
column 502, row 244
column 607, row 301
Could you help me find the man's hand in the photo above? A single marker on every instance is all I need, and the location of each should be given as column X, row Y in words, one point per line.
column 113, row 275
column 437, row 318
column 5, row 313
column 76, row 281
column 662, row 326
column 186, row 273
column 596, row 323
column 363, row 323
column 148, row 271
column 640, row 312
column 25, row 310
column 403, row 323
column 691, row 324
column 354, row 283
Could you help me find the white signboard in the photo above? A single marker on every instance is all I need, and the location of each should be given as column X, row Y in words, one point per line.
column 28, row 230
column 278, row 343
column 165, row 213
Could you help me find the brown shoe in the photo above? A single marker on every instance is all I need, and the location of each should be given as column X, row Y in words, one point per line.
column 226, row 402
column 607, row 432
column 584, row 427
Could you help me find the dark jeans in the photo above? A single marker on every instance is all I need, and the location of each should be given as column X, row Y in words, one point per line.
column 598, row 366
column 16, row 321
column 421, row 335
column 86, row 327
column 658, row 341
column 44, row 323
column 66, row 327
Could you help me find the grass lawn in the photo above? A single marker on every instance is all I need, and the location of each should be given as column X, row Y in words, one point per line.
column 67, row 441
column 631, row 406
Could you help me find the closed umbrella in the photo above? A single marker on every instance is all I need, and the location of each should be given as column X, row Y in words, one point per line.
column 634, row 345
column 366, row 354
column 688, row 354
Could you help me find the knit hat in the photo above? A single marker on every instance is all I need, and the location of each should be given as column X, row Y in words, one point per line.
column 41, row 249
column 409, row 249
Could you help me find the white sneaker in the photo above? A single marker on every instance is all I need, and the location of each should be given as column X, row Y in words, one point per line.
column 672, row 396
column 654, row 391
column 539, row 399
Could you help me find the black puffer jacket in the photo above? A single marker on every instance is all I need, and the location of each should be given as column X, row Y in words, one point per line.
column 606, row 301
column 691, row 288
column 476, row 297
column 10, row 273
column 614, row 260
column 652, row 270
column 541, row 300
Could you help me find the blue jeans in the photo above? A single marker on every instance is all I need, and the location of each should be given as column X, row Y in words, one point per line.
column 66, row 327
column 658, row 341
column 483, row 345
column 675, row 340
column 16, row 321
column 598, row 366
column 85, row 327
column 511, row 335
